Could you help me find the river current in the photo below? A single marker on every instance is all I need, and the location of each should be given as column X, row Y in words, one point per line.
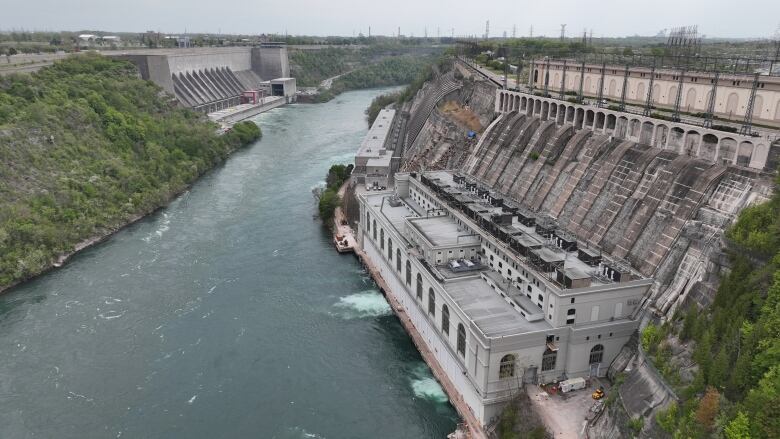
column 227, row 314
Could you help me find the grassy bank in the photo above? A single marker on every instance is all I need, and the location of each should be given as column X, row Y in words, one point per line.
column 85, row 147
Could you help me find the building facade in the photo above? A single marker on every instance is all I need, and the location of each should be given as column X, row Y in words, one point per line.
column 731, row 94
column 500, row 299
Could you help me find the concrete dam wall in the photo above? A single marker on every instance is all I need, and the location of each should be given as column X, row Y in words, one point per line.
column 210, row 78
column 661, row 210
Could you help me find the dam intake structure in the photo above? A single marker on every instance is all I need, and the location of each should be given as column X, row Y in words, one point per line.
column 211, row 79
column 655, row 194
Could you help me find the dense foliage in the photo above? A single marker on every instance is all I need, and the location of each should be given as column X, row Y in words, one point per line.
column 736, row 391
column 328, row 197
column 85, row 146
column 378, row 103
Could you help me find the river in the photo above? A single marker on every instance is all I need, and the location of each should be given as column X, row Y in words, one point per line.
column 227, row 314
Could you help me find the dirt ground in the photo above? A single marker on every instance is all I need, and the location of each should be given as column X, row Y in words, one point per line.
column 564, row 415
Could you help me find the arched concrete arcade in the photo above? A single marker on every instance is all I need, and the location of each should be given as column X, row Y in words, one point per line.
column 692, row 140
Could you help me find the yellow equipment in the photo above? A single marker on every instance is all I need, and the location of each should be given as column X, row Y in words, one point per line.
column 598, row 394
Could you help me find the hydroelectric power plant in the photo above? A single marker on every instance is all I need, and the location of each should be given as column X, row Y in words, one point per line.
column 532, row 254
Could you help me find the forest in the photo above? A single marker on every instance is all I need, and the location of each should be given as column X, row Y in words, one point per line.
column 87, row 146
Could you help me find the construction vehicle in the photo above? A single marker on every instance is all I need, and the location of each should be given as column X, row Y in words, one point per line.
column 598, row 394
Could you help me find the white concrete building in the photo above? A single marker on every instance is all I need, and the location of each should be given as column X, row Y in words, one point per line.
column 499, row 299
column 373, row 160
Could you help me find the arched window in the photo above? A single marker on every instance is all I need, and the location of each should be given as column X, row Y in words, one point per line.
column 548, row 359
column 389, row 249
column 382, row 239
column 596, row 354
column 461, row 340
column 419, row 286
column 445, row 319
column 398, row 259
column 374, row 230
column 506, row 369
column 408, row 273
column 431, row 302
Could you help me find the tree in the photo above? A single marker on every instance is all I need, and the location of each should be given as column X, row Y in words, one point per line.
column 739, row 427
column 708, row 409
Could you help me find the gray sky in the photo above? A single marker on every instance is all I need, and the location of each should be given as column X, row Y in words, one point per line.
column 722, row 18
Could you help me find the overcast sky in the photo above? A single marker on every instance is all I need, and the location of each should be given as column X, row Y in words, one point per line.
column 721, row 18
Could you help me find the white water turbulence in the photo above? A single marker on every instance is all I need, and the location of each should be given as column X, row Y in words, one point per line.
column 425, row 385
column 369, row 303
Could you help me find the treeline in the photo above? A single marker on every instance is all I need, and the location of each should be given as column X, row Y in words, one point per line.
column 85, row 146
column 735, row 392
column 423, row 75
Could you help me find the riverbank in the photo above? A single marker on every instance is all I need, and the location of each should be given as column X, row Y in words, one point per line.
column 98, row 238
column 228, row 313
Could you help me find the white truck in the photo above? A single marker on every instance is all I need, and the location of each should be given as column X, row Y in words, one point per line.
column 572, row 384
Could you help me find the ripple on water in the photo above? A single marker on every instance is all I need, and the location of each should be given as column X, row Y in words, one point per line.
column 368, row 303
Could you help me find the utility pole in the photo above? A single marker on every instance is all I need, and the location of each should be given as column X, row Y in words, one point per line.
column 590, row 40
column 580, row 97
column 563, row 81
column 563, row 32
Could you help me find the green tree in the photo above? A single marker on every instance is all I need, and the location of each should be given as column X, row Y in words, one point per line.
column 738, row 428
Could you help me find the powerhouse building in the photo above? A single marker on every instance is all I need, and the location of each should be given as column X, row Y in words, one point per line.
column 502, row 298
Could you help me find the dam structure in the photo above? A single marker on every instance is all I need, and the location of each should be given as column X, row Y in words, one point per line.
column 501, row 299
column 210, row 79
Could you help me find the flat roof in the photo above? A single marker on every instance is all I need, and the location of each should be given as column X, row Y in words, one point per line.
column 527, row 236
column 492, row 314
column 443, row 231
column 374, row 141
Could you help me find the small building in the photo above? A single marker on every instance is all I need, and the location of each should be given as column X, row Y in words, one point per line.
column 372, row 160
column 285, row 87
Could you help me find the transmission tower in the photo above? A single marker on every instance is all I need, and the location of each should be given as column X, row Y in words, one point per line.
column 580, row 97
column 563, row 81
column 623, row 92
column 514, row 31
column 563, row 32
column 649, row 101
column 711, row 103
column 487, row 29
column 601, row 84
column 747, row 125
column 531, row 32
column 678, row 98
